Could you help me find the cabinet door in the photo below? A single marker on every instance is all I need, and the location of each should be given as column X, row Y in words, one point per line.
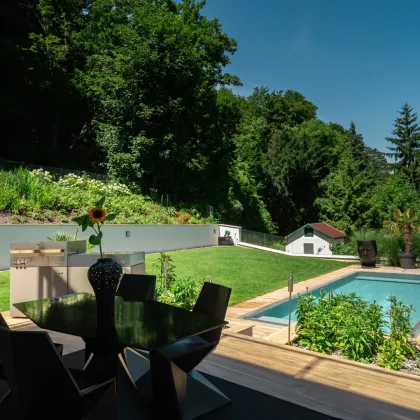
column 35, row 283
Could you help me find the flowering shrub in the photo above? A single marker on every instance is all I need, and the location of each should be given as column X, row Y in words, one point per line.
column 42, row 175
column 42, row 197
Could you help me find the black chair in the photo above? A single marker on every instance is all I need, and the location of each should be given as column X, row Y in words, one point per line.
column 182, row 357
column 137, row 287
column 212, row 301
column 40, row 384
column 3, row 323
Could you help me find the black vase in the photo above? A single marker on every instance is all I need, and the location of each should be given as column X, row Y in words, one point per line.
column 104, row 277
column 367, row 253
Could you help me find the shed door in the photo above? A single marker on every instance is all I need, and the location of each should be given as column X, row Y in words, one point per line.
column 308, row 248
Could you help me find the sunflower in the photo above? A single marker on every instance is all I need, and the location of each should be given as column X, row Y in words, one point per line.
column 96, row 214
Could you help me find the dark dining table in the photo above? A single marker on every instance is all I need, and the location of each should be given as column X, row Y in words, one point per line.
column 146, row 325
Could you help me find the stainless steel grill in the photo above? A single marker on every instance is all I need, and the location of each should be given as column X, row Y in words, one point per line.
column 39, row 270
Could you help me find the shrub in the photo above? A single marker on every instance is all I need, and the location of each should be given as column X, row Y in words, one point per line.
column 398, row 347
column 388, row 246
column 343, row 323
column 177, row 291
column 355, row 328
column 278, row 245
column 37, row 194
column 184, row 292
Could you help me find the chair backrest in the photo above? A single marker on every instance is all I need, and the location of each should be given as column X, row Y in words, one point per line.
column 36, row 374
column 137, row 287
column 213, row 301
column 3, row 322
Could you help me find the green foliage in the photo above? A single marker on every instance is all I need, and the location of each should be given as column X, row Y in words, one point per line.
column 139, row 91
column 36, row 195
column 278, row 245
column 63, row 236
column 184, row 292
column 388, row 246
column 355, row 329
column 297, row 160
column 343, row 323
column 166, row 271
column 177, row 291
column 396, row 192
column 346, row 203
column 404, row 223
column 398, row 347
column 405, row 145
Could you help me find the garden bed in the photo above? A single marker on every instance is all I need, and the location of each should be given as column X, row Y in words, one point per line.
column 347, row 326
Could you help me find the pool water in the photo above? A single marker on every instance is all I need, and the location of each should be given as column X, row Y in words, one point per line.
column 368, row 286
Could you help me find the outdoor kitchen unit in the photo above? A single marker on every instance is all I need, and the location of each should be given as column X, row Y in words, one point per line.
column 39, row 270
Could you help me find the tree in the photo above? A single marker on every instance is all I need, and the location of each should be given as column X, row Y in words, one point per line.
column 151, row 76
column 346, row 200
column 405, row 147
column 298, row 159
column 41, row 114
column 396, row 191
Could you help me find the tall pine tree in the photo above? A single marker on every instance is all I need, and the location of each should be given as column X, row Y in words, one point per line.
column 405, row 147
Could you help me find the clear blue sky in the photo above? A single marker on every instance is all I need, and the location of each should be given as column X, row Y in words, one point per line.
column 356, row 60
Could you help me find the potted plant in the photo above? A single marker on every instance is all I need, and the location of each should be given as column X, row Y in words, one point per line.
column 404, row 223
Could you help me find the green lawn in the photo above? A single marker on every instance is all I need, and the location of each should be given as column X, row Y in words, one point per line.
column 4, row 290
column 249, row 272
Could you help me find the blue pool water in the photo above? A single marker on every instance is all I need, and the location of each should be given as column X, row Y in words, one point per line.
column 368, row 286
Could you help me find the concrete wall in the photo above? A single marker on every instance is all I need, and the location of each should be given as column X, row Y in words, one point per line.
column 235, row 232
column 321, row 243
column 147, row 238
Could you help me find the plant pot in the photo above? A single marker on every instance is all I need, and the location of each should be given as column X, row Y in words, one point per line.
column 367, row 253
column 407, row 261
column 104, row 277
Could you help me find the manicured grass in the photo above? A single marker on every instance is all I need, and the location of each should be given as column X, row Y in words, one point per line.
column 4, row 290
column 249, row 272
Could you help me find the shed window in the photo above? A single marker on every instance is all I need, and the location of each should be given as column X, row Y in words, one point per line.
column 309, row 231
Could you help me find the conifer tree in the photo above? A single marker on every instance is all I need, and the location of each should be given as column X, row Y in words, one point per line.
column 405, row 145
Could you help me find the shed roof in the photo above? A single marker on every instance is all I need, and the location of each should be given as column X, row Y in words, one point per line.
column 324, row 228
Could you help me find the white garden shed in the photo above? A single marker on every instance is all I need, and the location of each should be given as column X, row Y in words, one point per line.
column 314, row 238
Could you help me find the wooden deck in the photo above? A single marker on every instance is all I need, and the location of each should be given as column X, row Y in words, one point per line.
column 340, row 388
column 333, row 386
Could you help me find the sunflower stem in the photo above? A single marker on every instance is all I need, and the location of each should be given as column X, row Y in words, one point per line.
column 100, row 240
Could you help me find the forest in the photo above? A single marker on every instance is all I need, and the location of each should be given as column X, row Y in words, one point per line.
column 137, row 90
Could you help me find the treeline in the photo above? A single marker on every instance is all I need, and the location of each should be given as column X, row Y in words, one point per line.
column 137, row 88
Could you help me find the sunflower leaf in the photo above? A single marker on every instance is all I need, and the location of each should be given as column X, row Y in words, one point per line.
column 85, row 223
column 110, row 217
column 100, row 203
column 94, row 239
column 79, row 220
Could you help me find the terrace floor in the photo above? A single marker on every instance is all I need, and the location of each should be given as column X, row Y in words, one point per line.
column 330, row 385
column 336, row 387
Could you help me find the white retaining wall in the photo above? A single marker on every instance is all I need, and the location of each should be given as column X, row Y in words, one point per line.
column 117, row 238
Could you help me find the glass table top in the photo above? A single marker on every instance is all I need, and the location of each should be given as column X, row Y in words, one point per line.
column 146, row 325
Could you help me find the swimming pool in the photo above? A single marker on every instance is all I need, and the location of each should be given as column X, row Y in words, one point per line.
column 368, row 286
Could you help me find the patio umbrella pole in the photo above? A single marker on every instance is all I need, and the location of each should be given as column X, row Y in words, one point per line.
column 290, row 289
